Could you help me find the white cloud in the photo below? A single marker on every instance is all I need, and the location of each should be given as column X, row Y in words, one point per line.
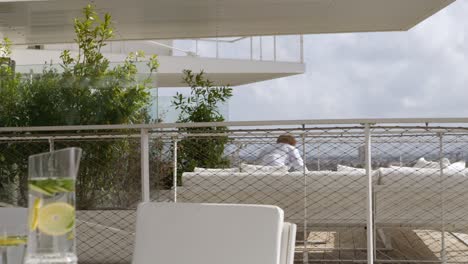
column 418, row 73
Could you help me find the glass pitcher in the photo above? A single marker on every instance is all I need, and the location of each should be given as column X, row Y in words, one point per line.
column 51, row 206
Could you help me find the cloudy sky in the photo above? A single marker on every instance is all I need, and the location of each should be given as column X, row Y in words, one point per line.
column 420, row 73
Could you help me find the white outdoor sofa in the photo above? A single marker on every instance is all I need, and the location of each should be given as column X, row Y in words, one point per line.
column 422, row 197
column 402, row 196
column 284, row 190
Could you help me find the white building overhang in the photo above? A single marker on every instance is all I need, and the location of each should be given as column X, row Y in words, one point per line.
column 224, row 71
column 50, row 21
column 221, row 71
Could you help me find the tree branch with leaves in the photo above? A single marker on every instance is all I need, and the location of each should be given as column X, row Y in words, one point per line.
column 202, row 105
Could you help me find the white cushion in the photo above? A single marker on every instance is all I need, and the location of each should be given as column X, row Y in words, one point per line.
column 429, row 178
column 460, row 165
column 233, row 170
column 260, row 168
column 343, row 168
column 445, row 162
column 424, row 164
column 175, row 233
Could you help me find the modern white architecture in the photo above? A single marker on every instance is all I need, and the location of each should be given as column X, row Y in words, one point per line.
column 345, row 207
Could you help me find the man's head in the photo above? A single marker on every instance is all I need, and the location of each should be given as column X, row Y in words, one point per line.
column 286, row 139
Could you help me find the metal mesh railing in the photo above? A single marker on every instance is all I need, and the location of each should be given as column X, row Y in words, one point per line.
column 430, row 195
column 418, row 184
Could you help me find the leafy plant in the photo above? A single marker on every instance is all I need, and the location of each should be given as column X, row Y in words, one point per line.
column 202, row 105
column 5, row 48
column 86, row 92
column 9, row 81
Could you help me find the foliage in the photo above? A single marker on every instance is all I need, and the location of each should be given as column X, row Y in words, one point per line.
column 203, row 103
column 8, row 86
column 5, row 48
column 201, row 106
column 10, row 173
column 86, row 92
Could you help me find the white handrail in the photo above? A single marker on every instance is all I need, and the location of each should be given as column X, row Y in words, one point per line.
column 251, row 48
column 188, row 52
column 221, row 40
column 424, row 121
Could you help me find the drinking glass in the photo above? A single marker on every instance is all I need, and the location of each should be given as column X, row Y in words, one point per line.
column 12, row 234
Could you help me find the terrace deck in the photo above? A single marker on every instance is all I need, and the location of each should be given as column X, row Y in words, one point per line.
column 406, row 246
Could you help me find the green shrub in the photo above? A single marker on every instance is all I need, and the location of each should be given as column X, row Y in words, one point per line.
column 201, row 106
column 87, row 92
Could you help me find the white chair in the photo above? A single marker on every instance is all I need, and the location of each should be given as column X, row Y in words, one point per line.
column 288, row 243
column 178, row 233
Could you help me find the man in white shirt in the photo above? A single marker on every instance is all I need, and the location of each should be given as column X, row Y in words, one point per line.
column 284, row 153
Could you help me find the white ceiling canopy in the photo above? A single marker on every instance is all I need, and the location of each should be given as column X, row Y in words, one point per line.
column 50, row 21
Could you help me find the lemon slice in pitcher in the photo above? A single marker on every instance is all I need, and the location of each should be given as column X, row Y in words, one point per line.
column 56, row 219
column 34, row 214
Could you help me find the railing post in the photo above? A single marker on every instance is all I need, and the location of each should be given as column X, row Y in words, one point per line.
column 217, row 48
column 370, row 218
column 237, row 153
column 443, row 251
column 196, row 46
column 301, row 48
column 305, row 256
column 31, row 76
column 174, row 175
column 261, row 48
column 144, row 152
column 51, row 144
column 274, row 48
column 318, row 157
column 251, row 48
